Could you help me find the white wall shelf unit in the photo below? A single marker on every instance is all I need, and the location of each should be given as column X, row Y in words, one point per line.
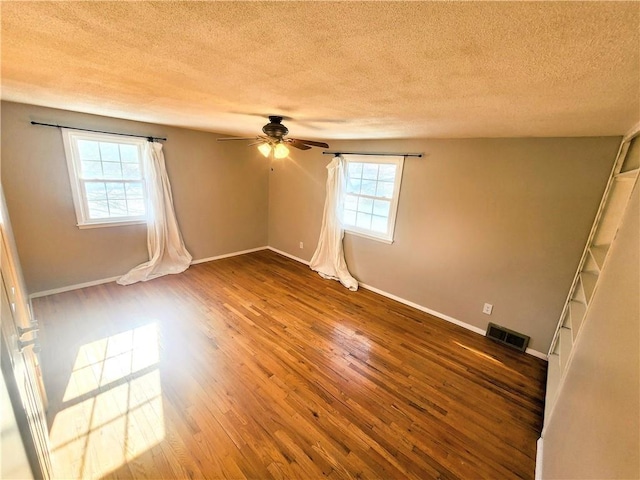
column 616, row 197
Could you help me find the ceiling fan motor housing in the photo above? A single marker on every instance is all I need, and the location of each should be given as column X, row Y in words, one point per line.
column 275, row 129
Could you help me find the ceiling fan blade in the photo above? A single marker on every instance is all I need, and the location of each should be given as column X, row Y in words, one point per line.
column 297, row 144
column 259, row 142
column 310, row 142
column 236, row 138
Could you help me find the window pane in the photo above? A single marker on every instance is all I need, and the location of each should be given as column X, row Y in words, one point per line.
column 134, row 190
column 371, row 189
column 109, row 152
column 115, row 191
column 118, row 208
column 131, row 171
column 387, row 172
column 350, row 202
column 98, row 209
column 129, row 153
column 136, row 207
column 363, row 220
column 370, row 171
column 381, row 208
column 112, row 170
column 91, row 169
column 95, row 191
column 385, row 189
column 107, row 175
column 354, row 170
column 88, row 150
column 365, row 205
column 349, row 217
column 379, row 224
column 353, row 185
column 368, row 187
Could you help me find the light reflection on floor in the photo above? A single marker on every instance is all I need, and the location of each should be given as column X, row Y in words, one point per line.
column 112, row 407
column 347, row 345
column 481, row 354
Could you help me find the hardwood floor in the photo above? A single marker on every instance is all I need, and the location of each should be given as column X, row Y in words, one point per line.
column 255, row 367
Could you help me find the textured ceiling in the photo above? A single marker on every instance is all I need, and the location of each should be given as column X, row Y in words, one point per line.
column 337, row 69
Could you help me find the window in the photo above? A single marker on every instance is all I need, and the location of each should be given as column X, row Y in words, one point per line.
column 371, row 197
column 107, row 178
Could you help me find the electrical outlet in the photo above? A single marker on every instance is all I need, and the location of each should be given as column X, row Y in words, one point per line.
column 301, row 245
column 487, row 309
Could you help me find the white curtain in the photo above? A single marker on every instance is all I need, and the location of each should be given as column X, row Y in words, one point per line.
column 328, row 259
column 167, row 253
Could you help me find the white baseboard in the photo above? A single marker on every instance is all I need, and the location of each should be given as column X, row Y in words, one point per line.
column 424, row 309
column 77, row 286
column 93, row 283
column 442, row 316
column 288, row 255
column 227, row 255
column 538, row 471
column 536, row 353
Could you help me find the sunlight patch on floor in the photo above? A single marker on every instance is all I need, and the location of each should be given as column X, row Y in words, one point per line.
column 112, row 407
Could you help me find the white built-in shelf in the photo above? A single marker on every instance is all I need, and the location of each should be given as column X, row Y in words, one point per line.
column 622, row 181
column 566, row 345
column 612, row 213
column 578, row 311
column 599, row 254
column 588, row 280
column 553, row 380
column 628, row 175
column 578, row 293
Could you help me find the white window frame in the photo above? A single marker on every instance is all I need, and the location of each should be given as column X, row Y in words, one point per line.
column 70, row 138
column 393, row 208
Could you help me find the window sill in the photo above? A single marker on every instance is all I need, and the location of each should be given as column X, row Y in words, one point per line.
column 370, row 237
column 124, row 223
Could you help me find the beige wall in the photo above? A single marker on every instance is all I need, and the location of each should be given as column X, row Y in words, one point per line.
column 502, row 221
column 220, row 193
column 595, row 428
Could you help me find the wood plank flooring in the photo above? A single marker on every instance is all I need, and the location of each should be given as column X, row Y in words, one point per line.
column 255, row 367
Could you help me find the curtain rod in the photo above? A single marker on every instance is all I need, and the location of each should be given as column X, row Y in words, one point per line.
column 376, row 154
column 149, row 137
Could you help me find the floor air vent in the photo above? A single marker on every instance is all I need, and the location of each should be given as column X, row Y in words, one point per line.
column 507, row 337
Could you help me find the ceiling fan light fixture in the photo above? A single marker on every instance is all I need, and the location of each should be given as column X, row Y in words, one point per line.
column 265, row 149
column 273, row 141
column 280, row 151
